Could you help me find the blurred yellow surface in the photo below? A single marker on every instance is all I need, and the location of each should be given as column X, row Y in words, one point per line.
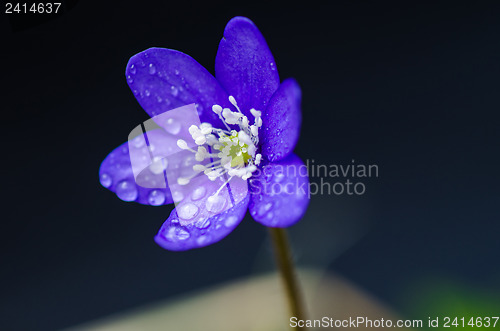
column 255, row 303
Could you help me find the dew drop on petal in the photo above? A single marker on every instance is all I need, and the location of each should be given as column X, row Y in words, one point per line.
column 174, row 90
column 201, row 240
column 147, row 93
column 182, row 234
column 106, row 180
column 202, row 223
column 176, row 72
column 177, row 196
column 278, row 177
column 177, row 233
column 152, row 69
column 198, row 193
column 133, row 69
column 187, row 211
column 230, row 221
column 156, row 198
column 263, row 209
column 172, row 126
column 126, row 191
column 138, row 142
column 189, row 161
column 215, row 203
column 159, row 165
column 170, row 235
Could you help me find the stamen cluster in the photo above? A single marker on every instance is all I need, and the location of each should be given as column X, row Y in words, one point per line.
column 230, row 151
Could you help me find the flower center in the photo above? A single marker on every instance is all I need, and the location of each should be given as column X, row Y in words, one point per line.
column 230, row 151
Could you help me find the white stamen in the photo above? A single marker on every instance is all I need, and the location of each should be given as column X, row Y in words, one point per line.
column 217, row 109
column 258, row 157
column 232, row 151
column 182, row 144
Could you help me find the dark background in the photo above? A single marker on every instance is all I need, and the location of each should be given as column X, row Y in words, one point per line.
column 411, row 88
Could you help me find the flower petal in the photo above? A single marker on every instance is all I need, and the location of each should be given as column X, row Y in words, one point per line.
column 281, row 121
column 245, row 66
column 162, row 79
column 280, row 193
column 117, row 172
column 176, row 236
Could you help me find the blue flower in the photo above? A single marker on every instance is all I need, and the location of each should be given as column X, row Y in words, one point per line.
column 250, row 124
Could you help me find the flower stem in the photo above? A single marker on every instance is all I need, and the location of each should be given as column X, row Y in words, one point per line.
column 284, row 260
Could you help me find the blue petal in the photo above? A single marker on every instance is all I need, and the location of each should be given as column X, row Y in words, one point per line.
column 176, row 236
column 162, row 79
column 245, row 66
column 206, row 211
column 117, row 175
column 281, row 122
column 280, row 193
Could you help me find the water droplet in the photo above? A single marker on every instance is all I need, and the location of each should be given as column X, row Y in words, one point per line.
column 189, row 161
column 159, row 99
column 202, row 223
column 106, row 180
column 126, row 191
column 129, row 79
column 174, row 90
column 133, row 69
column 172, row 126
column 147, row 93
column 177, row 196
column 278, row 177
column 198, row 193
column 182, row 234
column 264, row 208
column 159, row 165
column 177, row 232
column 156, row 198
column 177, row 72
column 273, row 67
column 187, row 211
column 201, row 240
column 152, row 69
column 230, row 221
column 138, row 142
column 215, row 203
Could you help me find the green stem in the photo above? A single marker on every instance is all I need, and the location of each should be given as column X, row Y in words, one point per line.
column 284, row 260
